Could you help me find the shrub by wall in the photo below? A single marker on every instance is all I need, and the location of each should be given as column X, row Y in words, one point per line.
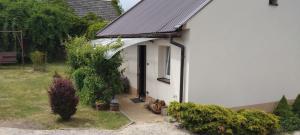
column 95, row 88
column 212, row 119
column 79, row 75
column 96, row 77
column 258, row 122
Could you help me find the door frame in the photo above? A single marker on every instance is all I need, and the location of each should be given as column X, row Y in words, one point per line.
column 141, row 70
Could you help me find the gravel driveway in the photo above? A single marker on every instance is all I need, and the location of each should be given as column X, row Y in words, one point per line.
column 161, row 128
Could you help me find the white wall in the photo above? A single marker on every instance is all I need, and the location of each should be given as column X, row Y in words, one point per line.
column 130, row 64
column 155, row 88
column 244, row 52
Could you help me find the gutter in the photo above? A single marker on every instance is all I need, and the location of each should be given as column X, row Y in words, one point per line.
column 144, row 35
column 182, row 47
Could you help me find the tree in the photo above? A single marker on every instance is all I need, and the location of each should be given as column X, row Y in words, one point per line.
column 283, row 109
column 296, row 106
column 98, row 77
column 92, row 29
column 45, row 24
column 115, row 4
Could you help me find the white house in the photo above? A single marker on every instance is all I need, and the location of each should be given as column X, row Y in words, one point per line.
column 235, row 53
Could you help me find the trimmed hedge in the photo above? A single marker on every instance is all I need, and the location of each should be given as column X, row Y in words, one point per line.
column 212, row 119
column 258, row 122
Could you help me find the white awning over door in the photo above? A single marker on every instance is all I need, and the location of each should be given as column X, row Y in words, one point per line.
column 126, row 42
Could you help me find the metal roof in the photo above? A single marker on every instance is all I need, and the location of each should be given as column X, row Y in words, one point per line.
column 102, row 8
column 153, row 17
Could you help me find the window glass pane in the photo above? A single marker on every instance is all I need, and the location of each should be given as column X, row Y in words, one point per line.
column 168, row 62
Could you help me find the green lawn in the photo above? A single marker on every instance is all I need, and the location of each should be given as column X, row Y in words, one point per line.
column 23, row 98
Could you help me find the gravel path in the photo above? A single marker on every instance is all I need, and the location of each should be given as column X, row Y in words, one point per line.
column 162, row 128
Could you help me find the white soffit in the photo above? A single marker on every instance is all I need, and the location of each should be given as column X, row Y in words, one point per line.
column 126, row 42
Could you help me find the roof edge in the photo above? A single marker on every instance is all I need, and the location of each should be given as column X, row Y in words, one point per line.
column 144, row 35
column 201, row 7
column 176, row 33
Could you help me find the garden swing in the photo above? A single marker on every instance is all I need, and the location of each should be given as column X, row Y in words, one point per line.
column 10, row 57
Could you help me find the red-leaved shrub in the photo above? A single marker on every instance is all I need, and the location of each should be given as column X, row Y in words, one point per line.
column 62, row 96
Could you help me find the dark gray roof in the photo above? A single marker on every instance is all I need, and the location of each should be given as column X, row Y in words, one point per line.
column 153, row 17
column 102, row 8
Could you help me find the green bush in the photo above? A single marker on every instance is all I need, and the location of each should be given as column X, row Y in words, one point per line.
column 212, row 119
column 258, row 123
column 288, row 120
column 92, row 87
column 283, row 109
column 94, row 28
column 175, row 109
column 78, row 52
column 118, row 8
column 95, row 88
column 45, row 24
column 82, row 54
column 79, row 75
column 202, row 119
column 296, row 106
column 290, row 123
column 39, row 60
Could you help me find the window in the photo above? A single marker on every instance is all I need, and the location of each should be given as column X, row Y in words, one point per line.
column 273, row 2
column 168, row 63
column 164, row 64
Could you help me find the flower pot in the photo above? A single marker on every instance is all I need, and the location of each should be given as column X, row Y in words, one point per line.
column 114, row 105
column 101, row 106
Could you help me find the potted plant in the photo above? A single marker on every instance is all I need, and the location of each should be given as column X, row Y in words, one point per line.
column 100, row 105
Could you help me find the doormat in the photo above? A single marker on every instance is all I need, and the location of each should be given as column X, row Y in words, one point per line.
column 136, row 100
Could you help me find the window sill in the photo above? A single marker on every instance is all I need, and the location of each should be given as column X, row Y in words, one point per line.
column 164, row 80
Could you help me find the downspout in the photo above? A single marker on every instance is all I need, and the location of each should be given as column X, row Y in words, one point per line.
column 182, row 47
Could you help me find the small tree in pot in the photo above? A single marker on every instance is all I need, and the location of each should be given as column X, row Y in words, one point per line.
column 62, row 96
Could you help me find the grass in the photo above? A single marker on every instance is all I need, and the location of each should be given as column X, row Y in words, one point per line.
column 23, row 98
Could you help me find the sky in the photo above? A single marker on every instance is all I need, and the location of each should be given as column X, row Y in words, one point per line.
column 127, row 4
